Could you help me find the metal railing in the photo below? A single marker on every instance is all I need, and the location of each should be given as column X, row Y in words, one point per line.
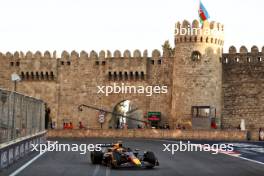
column 20, row 115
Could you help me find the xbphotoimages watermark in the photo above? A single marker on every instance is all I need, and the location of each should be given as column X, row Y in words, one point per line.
column 197, row 31
column 131, row 89
column 54, row 146
column 190, row 147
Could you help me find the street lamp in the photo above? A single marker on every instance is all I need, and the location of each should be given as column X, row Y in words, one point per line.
column 15, row 78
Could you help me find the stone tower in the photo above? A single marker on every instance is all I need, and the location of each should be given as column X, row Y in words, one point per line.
column 197, row 71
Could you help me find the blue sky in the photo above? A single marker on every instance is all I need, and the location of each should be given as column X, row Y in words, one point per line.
column 119, row 24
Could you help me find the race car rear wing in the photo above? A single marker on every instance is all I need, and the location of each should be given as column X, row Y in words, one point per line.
column 106, row 145
column 118, row 144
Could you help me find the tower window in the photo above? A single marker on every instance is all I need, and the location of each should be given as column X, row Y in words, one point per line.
column 52, row 75
column 260, row 59
column 248, row 59
column 27, row 75
column 120, row 75
column 68, row 63
column 11, row 64
column 17, row 64
column 115, row 75
column 142, row 75
column 103, row 63
column 126, row 76
column 96, row 62
column 62, row 63
column 136, row 75
column 32, row 75
column 41, row 75
column 37, row 75
column 131, row 75
column 159, row 61
column 109, row 75
column 152, row 62
column 196, row 55
column 47, row 75
column 22, row 75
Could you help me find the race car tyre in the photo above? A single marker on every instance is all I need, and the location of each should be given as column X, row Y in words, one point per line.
column 111, row 165
column 150, row 158
column 96, row 157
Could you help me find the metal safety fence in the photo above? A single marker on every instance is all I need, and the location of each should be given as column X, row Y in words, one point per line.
column 20, row 116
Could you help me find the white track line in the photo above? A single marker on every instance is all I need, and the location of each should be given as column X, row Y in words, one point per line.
column 107, row 171
column 27, row 164
column 96, row 170
column 247, row 159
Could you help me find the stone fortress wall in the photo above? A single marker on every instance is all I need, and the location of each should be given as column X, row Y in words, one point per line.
column 232, row 82
column 243, row 85
column 67, row 81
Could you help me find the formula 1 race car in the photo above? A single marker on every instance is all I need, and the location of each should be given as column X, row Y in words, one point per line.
column 115, row 156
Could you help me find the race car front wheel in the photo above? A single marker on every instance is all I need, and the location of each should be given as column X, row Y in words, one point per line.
column 150, row 158
column 96, row 157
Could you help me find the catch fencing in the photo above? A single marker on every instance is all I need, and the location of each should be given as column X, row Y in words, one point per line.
column 20, row 116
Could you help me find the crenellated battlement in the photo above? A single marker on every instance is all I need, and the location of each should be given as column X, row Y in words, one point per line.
column 40, row 66
column 243, row 56
column 209, row 32
column 28, row 55
column 102, row 55
column 82, row 55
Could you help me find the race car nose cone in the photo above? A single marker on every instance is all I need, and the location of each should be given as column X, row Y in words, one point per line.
column 136, row 162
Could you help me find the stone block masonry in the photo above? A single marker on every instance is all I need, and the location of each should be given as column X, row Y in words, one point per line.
column 243, row 85
column 233, row 135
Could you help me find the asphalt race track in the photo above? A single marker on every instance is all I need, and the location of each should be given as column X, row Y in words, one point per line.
column 179, row 164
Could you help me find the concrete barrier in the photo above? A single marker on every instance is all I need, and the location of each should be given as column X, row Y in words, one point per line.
column 12, row 151
column 215, row 135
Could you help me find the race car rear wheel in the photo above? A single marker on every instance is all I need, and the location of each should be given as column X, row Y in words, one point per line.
column 111, row 164
column 150, row 158
column 96, row 157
